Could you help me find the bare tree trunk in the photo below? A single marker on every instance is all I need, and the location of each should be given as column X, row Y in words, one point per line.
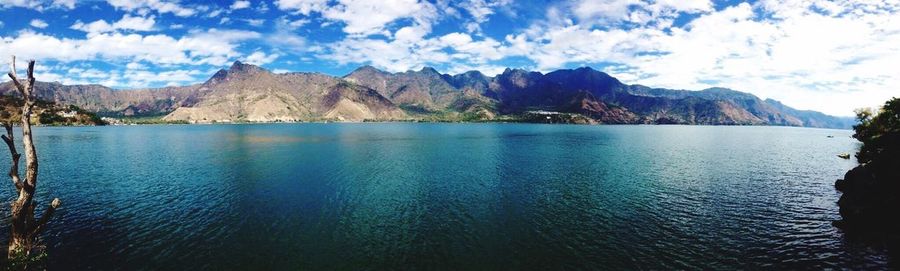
column 24, row 228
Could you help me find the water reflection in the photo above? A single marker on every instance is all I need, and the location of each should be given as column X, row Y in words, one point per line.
column 444, row 196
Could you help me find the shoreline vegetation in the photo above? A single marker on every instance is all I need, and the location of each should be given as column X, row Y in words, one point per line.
column 562, row 118
column 57, row 115
column 532, row 116
column 50, row 113
column 870, row 203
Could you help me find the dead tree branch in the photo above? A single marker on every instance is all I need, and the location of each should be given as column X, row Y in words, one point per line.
column 25, row 228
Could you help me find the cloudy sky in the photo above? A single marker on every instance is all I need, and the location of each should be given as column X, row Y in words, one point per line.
column 830, row 56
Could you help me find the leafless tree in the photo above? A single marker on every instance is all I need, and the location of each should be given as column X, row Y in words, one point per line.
column 25, row 227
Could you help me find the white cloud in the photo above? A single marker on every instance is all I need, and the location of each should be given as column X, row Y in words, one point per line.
column 214, row 13
column 126, row 23
column 255, row 22
column 392, row 56
column 70, row 4
column 262, row 7
column 636, row 11
column 480, row 11
column 87, row 73
column 363, row 17
column 19, row 3
column 240, row 4
column 464, row 48
column 141, row 77
column 288, row 41
column 807, row 59
column 607, row 9
column 160, row 6
column 38, row 23
column 135, row 23
column 136, row 66
column 410, row 50
column 304, row 7
column 559, row 45
column 38, row 5
column 409, row 47
column 212, row 47
column 682, row 6
column 285, row 38
column 407, row 51
column 260, row 58
column 289, row 24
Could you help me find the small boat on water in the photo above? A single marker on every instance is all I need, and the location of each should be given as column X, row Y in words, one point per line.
column 831, row 136
column 844, row 155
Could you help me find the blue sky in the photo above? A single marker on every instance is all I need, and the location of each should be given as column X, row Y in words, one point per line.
column 831, row 56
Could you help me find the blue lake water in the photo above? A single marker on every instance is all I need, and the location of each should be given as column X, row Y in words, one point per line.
column 445, row 196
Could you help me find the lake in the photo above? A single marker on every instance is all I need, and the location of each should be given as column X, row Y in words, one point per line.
column 445, row 196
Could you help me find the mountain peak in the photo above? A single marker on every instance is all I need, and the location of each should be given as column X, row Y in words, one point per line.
column 238, row 69
column 429, row 70
column 584, row 73
column 472, row 73
column 586, row 70
column 510, row 71
column 239, row 66
column 366, row 69
column 719, row 89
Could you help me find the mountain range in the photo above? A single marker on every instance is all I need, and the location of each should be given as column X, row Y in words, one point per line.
column 248, row 93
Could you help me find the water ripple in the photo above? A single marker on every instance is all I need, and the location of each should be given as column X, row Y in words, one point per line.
column 446, row 197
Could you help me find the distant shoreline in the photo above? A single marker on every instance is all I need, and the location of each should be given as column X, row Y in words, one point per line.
column 432, row 122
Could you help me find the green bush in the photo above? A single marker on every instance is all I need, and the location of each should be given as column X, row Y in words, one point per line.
column 880, row 134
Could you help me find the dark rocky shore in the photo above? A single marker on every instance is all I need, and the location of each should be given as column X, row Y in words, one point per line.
column 870, row 203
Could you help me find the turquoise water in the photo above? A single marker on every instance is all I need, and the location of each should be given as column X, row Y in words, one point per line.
column 445, row 196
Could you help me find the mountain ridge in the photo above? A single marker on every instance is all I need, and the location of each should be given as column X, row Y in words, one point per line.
column 246, row 92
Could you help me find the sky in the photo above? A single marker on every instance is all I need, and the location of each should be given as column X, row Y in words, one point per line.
column 830, row 56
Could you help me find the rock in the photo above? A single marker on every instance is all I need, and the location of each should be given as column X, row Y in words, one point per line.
column 858, row 179
column 840, row 184
column 867, row 205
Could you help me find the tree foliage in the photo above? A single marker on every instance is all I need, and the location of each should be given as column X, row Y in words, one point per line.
column 880, row 134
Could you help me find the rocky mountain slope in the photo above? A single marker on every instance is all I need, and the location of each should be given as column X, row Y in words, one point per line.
column 109, row 102
column 249, row 93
